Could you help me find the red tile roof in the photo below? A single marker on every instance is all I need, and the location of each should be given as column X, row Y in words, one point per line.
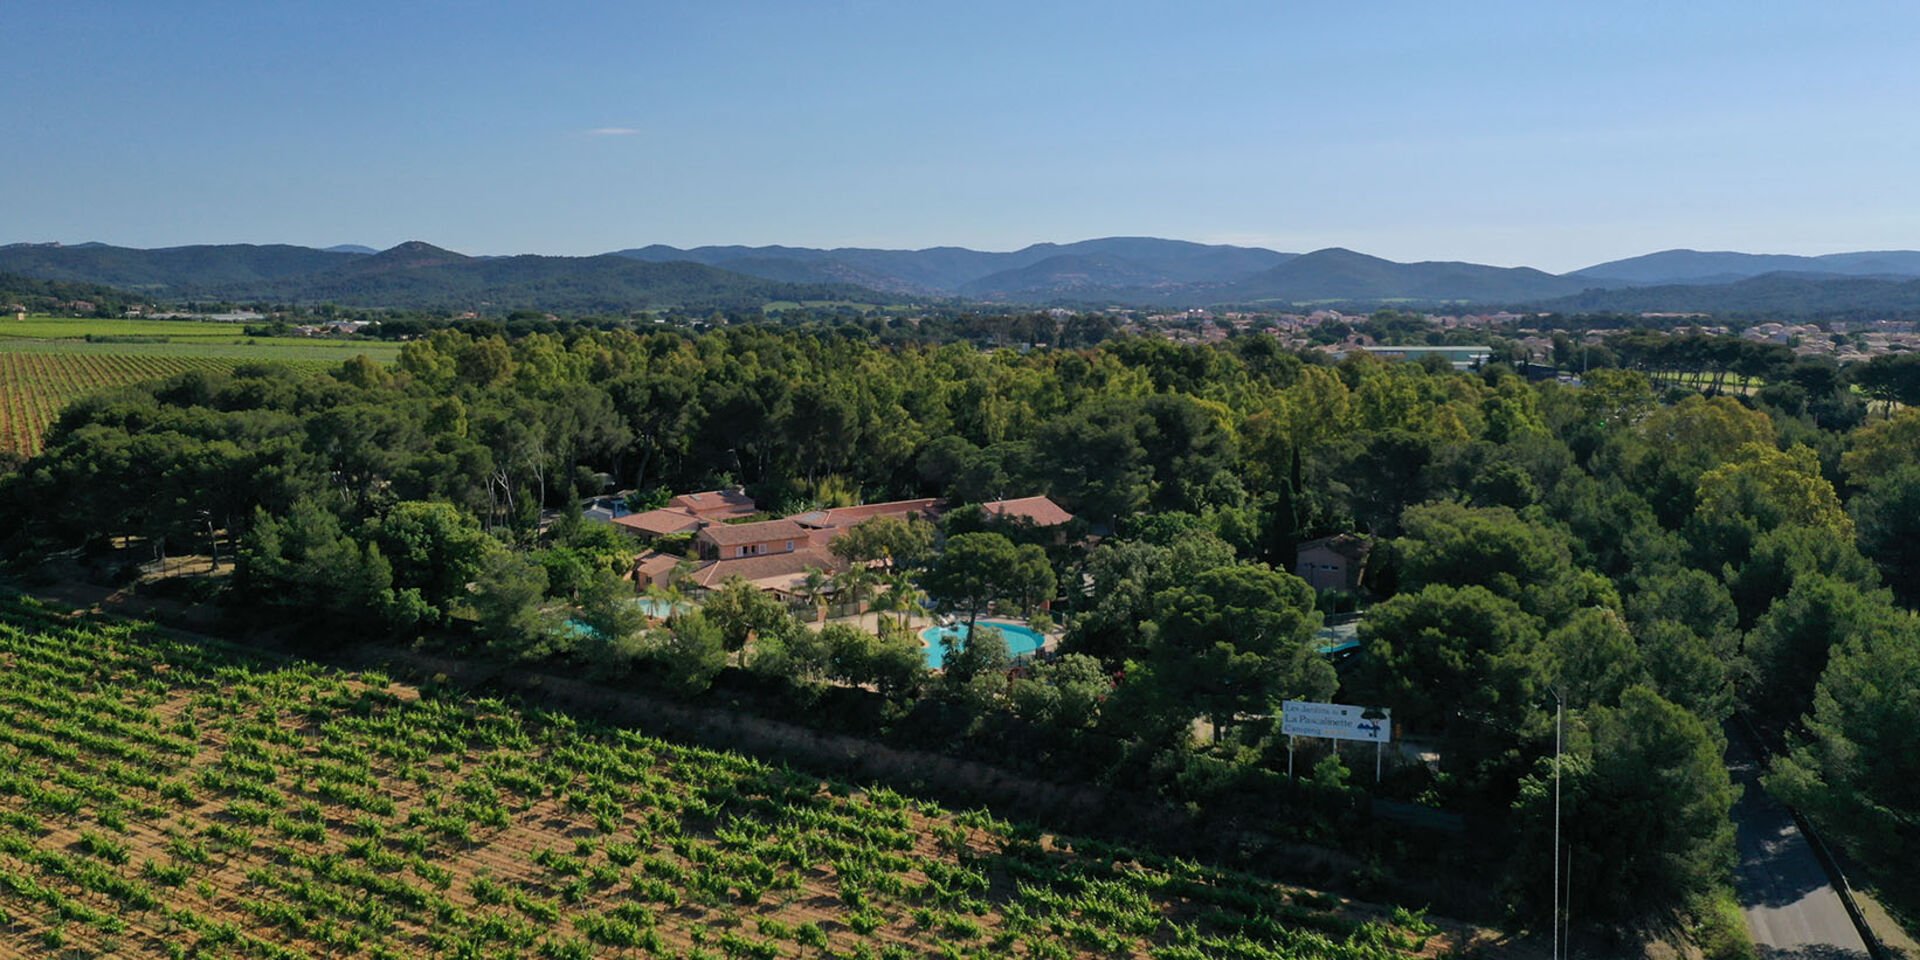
column 716, row 504
column 1040, row 511
column 769, row 566
column 661, row 522
column 729, row 534
column 651, row 565
column 848, row 516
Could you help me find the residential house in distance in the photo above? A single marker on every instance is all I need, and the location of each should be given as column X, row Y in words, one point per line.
column 1333, row 563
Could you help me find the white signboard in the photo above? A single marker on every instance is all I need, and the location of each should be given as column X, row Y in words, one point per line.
column 1302, row 718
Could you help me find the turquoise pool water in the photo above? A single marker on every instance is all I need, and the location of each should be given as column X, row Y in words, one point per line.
column 1021, row 639
column 657, row 609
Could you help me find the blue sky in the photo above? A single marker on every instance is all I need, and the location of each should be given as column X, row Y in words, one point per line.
column 1548, row 134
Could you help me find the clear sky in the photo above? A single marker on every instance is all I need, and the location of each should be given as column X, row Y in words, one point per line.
column 1554, row 134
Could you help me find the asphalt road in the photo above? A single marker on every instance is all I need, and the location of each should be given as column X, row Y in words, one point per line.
column 1791, row 908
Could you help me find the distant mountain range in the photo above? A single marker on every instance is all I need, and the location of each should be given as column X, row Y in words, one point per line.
column 412, row 275
column 1034, row 274
column 1130, row 271
column 1824, row 295
column 1147, row 271
column 1697, row 267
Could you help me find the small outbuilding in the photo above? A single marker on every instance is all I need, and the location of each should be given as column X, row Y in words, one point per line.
column 1337, row 562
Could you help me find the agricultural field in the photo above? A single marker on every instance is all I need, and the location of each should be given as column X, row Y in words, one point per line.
column 187, row 338
column 45, row 362
column 35, row 385
column 161, row 797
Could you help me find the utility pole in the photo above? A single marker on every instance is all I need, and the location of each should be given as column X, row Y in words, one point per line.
column 1558, row 711
column 1568, row 914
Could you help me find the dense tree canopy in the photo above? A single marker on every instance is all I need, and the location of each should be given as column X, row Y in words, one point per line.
column 1650, row 557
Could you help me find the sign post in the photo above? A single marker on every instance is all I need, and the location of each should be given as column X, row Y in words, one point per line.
column 1337, row 722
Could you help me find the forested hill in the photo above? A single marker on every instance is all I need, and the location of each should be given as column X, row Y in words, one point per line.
column 41, row 296
column 412, row 275
column 1720, row 266
column 1773, row 295
column 1124, row 263
column 1340, row 274
column 1124, row 271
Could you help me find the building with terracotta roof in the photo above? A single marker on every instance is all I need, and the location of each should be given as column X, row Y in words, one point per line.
column 1039, row 511
column 729, row 541
column 689, row 512
column 1333, row 563
column 716, row 504
column 663, row 522
column 775, row 555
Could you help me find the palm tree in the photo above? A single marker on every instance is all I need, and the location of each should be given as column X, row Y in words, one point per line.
column 902, row 596
column 855, row 580
column 814, row 587
column 670, row 596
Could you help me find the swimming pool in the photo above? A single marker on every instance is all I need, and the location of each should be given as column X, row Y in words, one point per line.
column 658, row 609
column 1021, row 639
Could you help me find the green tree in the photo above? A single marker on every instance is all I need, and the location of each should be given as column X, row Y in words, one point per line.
column 739, row 609
column 1235, row 640
column 1597, row 657
column 1645, row 801
column 1790, row 644
column 891, row 662
column 1880, row 448
column 690, row 652
column 891, row 541
column 433, row 548
column 1781, row 556
column 1855, row 768
column 1763, row 488
column 1462, row 661
column 506, row 601
column 1492, row 547
column 983, row 653
column 1673, row 446
column 607, row 610
column 1887, row 516
column 977, row 569
column 306, row 561
column 795, row 653
column 1065, row 692
column 1688, row 669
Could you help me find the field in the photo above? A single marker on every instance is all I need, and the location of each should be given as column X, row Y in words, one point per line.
column 36, row 385
column 181, row 338
column 45, row 362
column 168, row 798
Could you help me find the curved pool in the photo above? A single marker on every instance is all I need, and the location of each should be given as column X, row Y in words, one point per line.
column 1022, row 640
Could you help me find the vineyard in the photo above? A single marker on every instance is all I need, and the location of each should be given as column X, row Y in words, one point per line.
column 34, row 386
column 166, row 798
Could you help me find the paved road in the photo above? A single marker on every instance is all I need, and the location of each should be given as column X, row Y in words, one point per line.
column 1791, row 909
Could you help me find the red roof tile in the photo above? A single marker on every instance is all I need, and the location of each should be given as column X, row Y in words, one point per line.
column 1040, row 511
column 764, row 567
column 716, row 504
column 728, row 534
column 848, row 516
column 661, row 522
